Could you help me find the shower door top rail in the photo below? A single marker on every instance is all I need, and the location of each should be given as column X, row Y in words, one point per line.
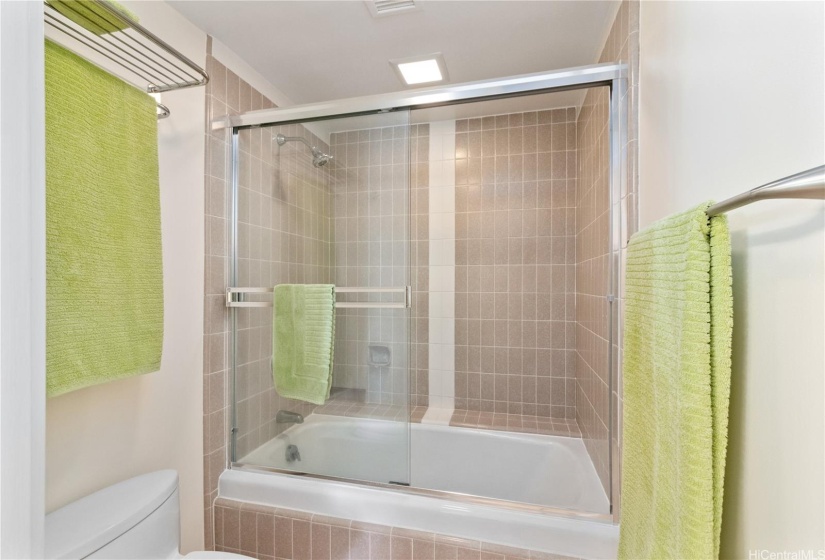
column 434, row 96
column 231, row 301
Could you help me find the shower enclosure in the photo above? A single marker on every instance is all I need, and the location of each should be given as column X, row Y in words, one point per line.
column 469, row 232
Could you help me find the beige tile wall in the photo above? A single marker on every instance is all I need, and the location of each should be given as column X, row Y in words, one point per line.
column 515, row 263
column 222, row 96
column 372, row 248
column 592, row 286
column 279, row 193
column 284, row 236
column 419, row 261
column 592, row 398
column 271, row 533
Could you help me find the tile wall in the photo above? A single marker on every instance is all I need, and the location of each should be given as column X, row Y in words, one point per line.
column 271, row 533
column 442, row 267
column 284, row 236
column 593, row 399
column 223, row 96
column 370, row 182
column 592, row 280
column 270, row 196
column 515, row 263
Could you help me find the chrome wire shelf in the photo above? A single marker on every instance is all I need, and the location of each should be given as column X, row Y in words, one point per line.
column 111, row 40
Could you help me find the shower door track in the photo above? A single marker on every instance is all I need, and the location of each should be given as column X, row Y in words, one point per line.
column 610, row 75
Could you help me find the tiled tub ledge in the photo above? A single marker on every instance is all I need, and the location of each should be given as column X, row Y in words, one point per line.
column 516, row 423
column 277, row 516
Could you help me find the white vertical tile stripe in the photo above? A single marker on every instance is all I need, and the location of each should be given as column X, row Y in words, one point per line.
column 442, row 273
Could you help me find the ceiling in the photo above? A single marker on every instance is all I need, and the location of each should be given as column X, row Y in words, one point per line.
column 322, row 50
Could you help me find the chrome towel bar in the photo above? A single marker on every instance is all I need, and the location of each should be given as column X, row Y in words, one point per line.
column 231, row 300
column 807, row 184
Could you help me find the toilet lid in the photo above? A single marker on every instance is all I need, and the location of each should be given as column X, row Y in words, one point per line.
column 211, row 555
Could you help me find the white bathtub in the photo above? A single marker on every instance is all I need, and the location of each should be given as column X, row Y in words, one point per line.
column 549, row 471
column 536, row 469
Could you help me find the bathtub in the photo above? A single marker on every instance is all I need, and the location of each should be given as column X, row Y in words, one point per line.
column 553, row 474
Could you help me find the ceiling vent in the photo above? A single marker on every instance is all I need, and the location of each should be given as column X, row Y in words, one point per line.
column 382, row 8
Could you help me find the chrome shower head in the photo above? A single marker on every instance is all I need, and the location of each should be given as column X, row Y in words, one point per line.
column 319, row 158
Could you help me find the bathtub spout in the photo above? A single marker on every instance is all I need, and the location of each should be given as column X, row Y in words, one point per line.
column 289, row 417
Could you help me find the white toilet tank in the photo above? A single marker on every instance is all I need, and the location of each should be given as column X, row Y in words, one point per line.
column 137, row 518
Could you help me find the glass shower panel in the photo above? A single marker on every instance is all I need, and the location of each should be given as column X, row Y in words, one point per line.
column 326, row 202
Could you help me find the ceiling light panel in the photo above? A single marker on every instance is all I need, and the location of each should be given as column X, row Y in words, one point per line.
column 419, row 70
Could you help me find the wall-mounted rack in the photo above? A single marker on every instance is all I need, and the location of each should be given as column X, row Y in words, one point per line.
column 112, row 40
column 231, row 300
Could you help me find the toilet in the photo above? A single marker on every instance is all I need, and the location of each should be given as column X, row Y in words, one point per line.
column 138, row 518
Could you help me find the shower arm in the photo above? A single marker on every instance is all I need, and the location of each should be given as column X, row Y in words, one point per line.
column 281, row 140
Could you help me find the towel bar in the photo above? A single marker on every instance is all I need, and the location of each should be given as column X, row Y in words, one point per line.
column 405, row 290
column 808, row 184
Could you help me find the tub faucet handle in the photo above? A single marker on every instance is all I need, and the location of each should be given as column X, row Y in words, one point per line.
column 292, row 453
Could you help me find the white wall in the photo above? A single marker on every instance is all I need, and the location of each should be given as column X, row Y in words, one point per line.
column 732, row 97
column 104, row 434
column 22, row 280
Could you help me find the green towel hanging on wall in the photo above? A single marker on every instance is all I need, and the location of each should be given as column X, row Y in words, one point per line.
column 677, row 370
column 104, row 272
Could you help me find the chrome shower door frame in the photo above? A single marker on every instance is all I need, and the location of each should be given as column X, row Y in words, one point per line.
column 611, row 75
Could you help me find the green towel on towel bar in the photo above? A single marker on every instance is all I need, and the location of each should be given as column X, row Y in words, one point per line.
column 303, row 330
column 676, row 368
column 104, row 272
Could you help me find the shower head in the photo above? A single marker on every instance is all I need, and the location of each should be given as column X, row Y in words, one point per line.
column 319, row 158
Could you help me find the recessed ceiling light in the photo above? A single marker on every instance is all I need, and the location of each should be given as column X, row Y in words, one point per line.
column 428, row 69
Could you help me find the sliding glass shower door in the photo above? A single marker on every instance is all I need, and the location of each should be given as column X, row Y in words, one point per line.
column 325, row 202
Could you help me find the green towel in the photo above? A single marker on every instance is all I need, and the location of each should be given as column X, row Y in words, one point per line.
column 677, row 367
column 104, row 273
column 91, row 16
column 303, row 335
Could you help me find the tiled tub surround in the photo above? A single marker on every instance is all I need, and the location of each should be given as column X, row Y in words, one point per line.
column 225, row 94
column 515, row 264
column 370, row 185
column 284, row 236
column 442, row 235
column 592, row 281
column 356, row 505
column 270, row 533
column 593, row 399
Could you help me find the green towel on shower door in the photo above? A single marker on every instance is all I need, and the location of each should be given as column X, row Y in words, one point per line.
column 104, row 275
column 677, row 367
column 303, row 335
